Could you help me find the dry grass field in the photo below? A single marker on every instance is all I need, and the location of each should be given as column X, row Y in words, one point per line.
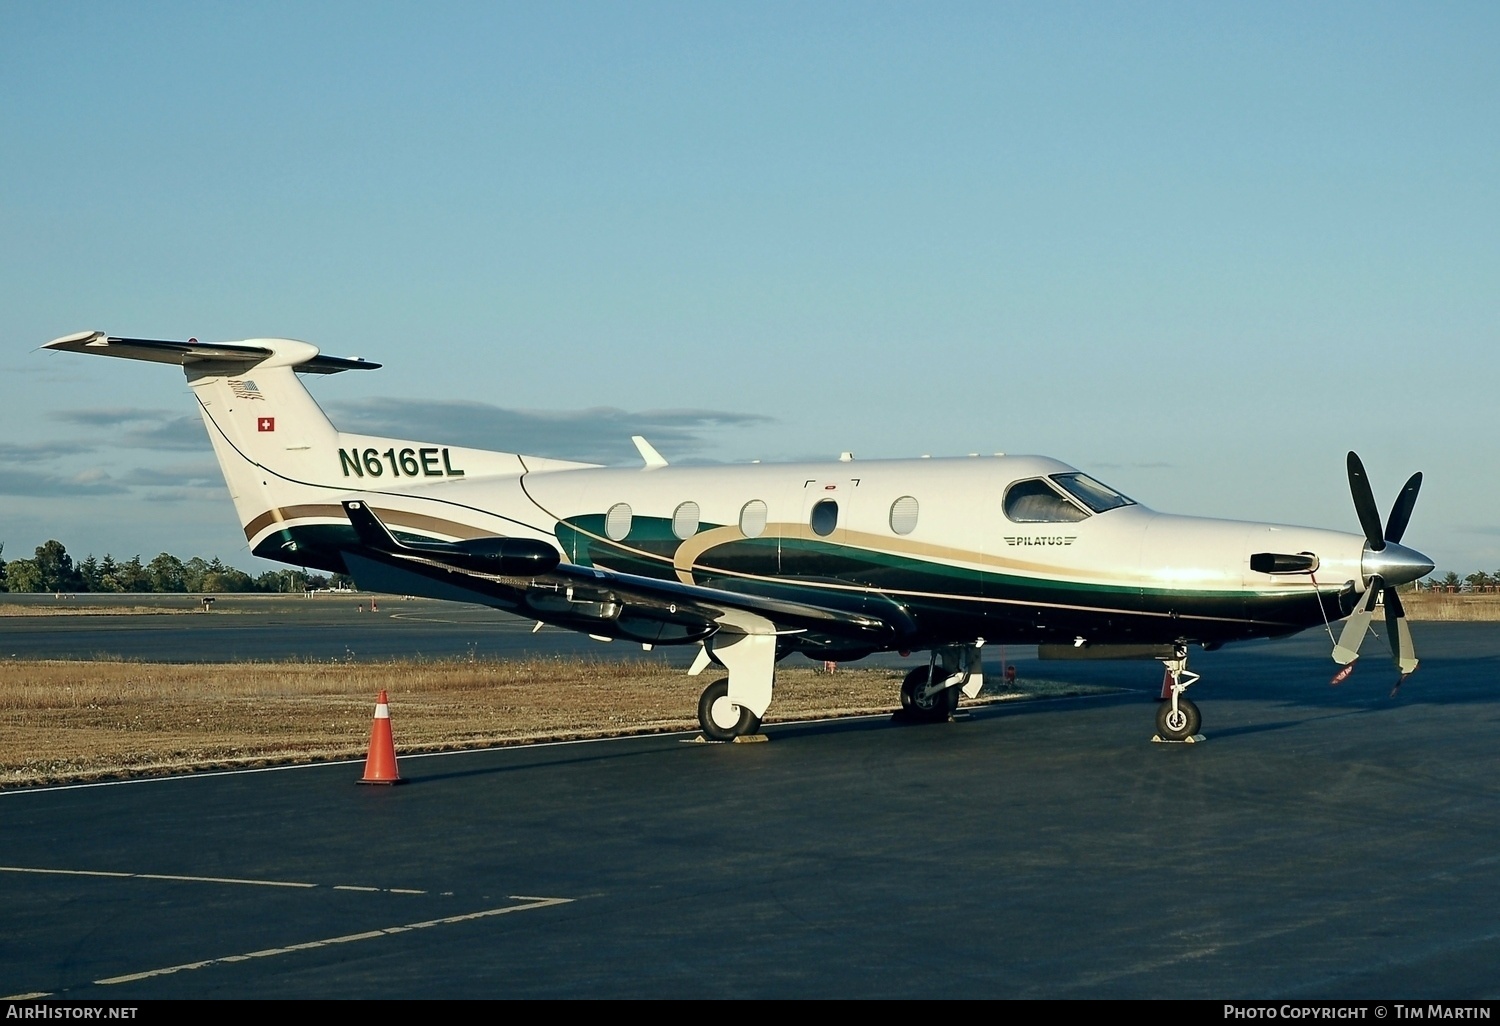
column 75, row 721
column 1450, row 607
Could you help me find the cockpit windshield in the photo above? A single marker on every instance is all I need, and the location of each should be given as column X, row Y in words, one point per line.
column 1096, row 496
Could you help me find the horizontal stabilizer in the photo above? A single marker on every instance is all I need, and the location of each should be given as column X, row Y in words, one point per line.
column 505, row 557
column 303, row 356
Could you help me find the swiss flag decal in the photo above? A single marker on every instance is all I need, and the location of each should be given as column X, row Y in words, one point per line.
column 266, row 424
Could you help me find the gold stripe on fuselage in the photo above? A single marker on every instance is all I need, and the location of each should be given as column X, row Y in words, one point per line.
column 390, row 517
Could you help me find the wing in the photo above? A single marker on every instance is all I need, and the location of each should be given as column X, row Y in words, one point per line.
column 606, row 603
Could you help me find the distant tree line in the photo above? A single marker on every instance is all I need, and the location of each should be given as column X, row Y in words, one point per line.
column 52, row 569
column 1475, row 582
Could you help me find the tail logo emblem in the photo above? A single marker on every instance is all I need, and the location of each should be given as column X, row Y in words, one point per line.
column 266, row 424
column 245, row 389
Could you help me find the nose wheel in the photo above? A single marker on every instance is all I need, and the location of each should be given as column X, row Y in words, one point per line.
column 1177, row 719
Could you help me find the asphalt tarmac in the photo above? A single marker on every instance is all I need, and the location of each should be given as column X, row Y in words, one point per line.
column 1322, row 843
column 326, row 627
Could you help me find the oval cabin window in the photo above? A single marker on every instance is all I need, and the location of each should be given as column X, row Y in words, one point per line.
column 685, row 520
column 753, row 519
column 617, row 521
column 904, row 515
column 825, row 517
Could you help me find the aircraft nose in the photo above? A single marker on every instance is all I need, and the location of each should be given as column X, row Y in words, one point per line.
column 1396, row 564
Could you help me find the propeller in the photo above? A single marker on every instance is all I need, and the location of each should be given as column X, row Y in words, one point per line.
column 1387, row 563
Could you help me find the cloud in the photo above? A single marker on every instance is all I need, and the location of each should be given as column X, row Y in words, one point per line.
column 1481, row 529
column 48, row 486
column 598, row 435
column 200, row 474
column 37, row 452
column 111, row 416
column 178, row 433
column 180, row 495
column 135, row 428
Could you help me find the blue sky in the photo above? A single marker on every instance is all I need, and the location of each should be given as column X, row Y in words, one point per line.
column 1198, row 250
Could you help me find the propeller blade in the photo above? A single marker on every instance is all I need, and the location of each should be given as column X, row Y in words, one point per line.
column 1400, row 516
column 1364, row 503
column 1356, row 627
column 1400, row 635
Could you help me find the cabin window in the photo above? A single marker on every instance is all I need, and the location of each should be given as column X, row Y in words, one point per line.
column 753, row 519
column 904, row 515
column 1096, row 496
column 825, row 517
column 617, row 521
column 1037, row 502
column 685, row 520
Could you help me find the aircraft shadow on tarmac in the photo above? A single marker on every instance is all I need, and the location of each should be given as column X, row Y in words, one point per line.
column 782, row 731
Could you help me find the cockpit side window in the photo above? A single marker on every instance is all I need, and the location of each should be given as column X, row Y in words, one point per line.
column 1093, row 494
column 1037, row 502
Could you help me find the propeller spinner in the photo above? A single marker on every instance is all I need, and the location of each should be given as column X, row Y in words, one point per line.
column 1386, row 563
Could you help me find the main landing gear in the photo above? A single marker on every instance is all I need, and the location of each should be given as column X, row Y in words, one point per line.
column 930, row 693
column 1178, row 719
column 720, row 718
column 925, row 696
column 731, row 707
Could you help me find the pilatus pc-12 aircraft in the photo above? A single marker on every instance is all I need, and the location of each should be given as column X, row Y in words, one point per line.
column 834, row 560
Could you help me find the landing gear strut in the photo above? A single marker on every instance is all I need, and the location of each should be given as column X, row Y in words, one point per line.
column 1178, row 719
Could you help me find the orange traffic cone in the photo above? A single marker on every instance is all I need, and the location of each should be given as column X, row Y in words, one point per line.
column 380, row 764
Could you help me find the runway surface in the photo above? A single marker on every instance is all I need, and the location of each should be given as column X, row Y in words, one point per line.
column 1322, row 843
column 327, row 627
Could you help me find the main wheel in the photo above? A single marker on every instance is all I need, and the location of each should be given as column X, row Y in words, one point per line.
column 720, row 718
column 930, row 708
column 1178, row 724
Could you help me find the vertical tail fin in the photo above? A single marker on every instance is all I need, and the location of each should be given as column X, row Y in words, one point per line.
column 282, row 458
column 267, row 431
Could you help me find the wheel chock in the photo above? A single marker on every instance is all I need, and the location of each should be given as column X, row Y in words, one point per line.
column 1192, row 740
column 744, row 739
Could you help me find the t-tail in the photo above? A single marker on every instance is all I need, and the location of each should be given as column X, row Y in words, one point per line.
column 281, row 456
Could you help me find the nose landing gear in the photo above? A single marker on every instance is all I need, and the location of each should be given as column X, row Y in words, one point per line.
column 1177, row 719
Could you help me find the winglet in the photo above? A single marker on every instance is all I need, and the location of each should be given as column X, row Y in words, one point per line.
column 648, row 453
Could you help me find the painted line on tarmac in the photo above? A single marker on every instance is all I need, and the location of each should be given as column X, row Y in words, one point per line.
column 201, row 879
column 529, row 904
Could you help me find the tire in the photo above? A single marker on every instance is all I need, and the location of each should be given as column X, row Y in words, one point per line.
column 934, row 709
column 721, row 719
column 1181, row 726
